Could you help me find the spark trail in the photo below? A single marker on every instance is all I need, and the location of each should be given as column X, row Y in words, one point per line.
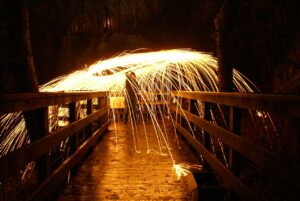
column 157, row 73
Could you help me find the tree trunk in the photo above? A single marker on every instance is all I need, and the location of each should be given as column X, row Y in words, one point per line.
column 22, row 58
column 223, row 24
column 23, row 72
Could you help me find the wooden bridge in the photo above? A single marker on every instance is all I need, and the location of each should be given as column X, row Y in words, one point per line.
column 96, row 126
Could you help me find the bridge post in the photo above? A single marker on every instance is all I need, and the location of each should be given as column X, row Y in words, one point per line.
column 37, row 126
column 73, row 118
column 102, row 102
column 185, row 104
column 89, row 110
column 193, row 110
column 178, row 116
column 73, row 141
column 106, row 98
column 235, row 127
column 99, row 121
column 223, row 24
column 206, row 136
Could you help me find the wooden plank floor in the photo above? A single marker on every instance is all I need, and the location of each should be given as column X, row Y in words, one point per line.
column 115, row 171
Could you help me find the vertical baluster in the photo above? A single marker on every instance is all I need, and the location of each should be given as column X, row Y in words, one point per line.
column 74, row 138
column 179, row 108
column 73, row 118
column 99, row 106
column 234, row 158
column 206, row 136
column 37, row 126
column 89, row 110
column 106, row 103
column 235, row 127
column 193, row 110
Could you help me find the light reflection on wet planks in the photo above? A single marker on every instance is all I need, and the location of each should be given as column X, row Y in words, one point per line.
column 115, row 171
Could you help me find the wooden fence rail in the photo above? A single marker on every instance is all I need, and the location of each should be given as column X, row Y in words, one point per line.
column 39, row 149
column 284, row 168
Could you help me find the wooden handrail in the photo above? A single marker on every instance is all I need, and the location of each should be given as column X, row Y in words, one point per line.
column 279, row 104
column 38, row 150
column 29, row 101
column 284, row 168
column 267, row 160
column 225, row 173
column 49, row 186
column 18, row 159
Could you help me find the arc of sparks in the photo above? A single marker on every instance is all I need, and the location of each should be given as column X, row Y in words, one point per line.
column 157, row 73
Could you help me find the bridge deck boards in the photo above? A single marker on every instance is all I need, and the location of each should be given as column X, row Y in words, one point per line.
column 115, row 171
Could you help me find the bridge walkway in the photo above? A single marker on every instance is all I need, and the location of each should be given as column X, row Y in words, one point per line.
column 116, row 171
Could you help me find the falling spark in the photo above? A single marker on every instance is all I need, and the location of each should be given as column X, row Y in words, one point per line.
column 180, row 170
column 157, row 73
column 183, row 169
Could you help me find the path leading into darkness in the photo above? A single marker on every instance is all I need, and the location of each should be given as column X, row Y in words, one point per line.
column 115, row 171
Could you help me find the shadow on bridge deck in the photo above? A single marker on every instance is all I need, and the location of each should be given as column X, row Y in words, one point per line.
column 115, row 171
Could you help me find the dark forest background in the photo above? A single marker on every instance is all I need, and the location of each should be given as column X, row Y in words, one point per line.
column 69, row 34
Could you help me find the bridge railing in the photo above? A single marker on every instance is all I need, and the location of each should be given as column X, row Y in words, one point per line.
column 285, row 168
column 82, row 134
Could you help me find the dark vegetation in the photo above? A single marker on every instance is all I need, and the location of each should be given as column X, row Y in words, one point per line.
column 263, row 36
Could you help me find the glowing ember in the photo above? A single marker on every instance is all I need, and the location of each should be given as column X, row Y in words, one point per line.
column 180, row 170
